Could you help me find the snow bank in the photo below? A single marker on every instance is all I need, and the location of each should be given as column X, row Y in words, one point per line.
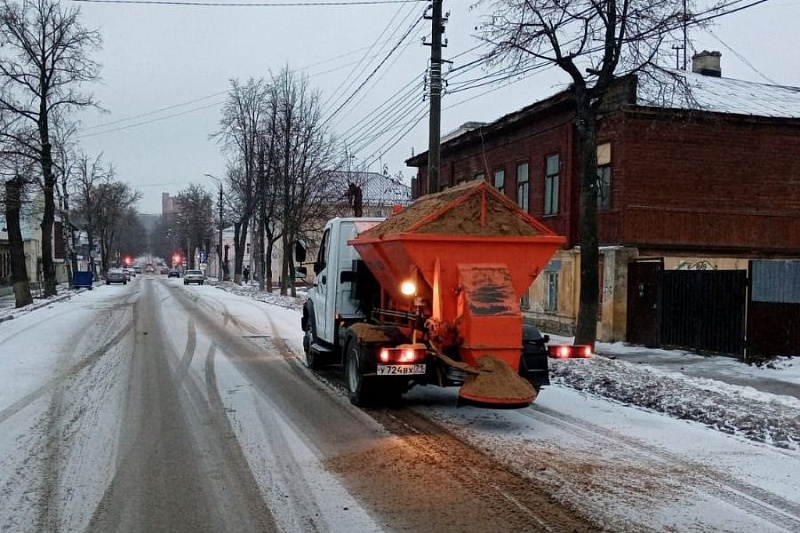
column 744, row 411
column 273, row 298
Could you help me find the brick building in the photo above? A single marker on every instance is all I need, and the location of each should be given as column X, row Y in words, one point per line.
column 707, row 178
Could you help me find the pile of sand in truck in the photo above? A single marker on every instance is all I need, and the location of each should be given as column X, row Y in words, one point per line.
column 430, row 215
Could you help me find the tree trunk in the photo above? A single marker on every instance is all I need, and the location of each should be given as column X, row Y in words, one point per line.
column 285, row 265
column 261, row 271
column 19, row 272
column 239, row 245
column 586, row 130
column 48, row 267
column 268, row 259
column 226, row 268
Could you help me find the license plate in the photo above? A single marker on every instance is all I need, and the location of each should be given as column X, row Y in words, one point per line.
column 400, row 370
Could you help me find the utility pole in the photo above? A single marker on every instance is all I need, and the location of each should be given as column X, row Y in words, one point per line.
column 437, row 29
column 685, row 23
column 219, row 250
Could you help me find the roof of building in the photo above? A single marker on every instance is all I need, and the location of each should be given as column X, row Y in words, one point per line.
column 667, row 89
column 718, row 95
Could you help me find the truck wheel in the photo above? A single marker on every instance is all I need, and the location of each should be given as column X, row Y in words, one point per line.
column 314, row 361
column 354, row 365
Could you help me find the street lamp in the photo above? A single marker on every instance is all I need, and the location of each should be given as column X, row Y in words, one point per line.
column 219, row 250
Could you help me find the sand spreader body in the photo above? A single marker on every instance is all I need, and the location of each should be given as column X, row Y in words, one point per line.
column 430, row 295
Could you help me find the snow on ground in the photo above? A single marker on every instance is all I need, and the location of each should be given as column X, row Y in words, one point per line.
column 631, row 469
column 60, row 399
column 8, row 311
column 251, row 290
column 740, row 410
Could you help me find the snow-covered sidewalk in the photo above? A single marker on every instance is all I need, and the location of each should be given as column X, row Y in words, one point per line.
column 273, row 298
column 8, row 311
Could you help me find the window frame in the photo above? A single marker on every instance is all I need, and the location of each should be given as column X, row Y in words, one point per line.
column 502, row 187
column 524, row 185
column 552, row 200
column 551, row 292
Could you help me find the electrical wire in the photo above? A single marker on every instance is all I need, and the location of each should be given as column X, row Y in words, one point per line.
column 374, row 71
column 336, row 3
column 351, row 77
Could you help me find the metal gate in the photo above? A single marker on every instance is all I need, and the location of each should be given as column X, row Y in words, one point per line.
column 704, row 310
column 773, row 312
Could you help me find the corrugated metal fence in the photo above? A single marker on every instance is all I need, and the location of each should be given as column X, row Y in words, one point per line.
column 773, row 308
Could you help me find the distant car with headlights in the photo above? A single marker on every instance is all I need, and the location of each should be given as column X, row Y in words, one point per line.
column 194, row 276
column 174, row 274
column 116, row 275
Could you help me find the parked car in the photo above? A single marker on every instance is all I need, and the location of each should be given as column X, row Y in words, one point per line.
column 163, row 271
column 116, row 275
column 174, row 274
column 137, row 269
column 129, row 273
column 194, row 276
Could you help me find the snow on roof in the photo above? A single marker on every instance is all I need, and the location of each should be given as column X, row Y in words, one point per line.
column 377, row 189
column 718, row 95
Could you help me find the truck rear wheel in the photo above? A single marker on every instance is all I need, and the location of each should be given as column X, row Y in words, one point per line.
column 357, row 385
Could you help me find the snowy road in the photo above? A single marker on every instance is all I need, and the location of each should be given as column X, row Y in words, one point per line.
column 160, row 407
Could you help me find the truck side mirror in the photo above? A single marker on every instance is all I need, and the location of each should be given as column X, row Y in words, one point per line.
column 299, row 251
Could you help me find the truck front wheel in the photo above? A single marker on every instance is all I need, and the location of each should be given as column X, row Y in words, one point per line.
column 354, row 365
column 314, row 360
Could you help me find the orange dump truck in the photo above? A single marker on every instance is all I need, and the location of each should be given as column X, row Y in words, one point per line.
column 431, row 296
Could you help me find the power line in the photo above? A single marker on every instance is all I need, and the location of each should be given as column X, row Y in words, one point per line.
column 347, row 82
column 154, row 112
column 741, row 57
column 374, row 71
column 214, row 104
column 339, row 3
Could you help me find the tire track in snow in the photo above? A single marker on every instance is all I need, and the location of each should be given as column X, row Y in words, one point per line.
column 768, row 506
column 89, row 360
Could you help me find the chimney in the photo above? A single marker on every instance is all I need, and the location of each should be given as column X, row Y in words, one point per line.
column 707, row 63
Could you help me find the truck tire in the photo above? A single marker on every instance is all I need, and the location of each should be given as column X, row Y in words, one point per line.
column 358, row 387
column 314, row 361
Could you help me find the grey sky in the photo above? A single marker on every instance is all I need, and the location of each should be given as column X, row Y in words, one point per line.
column 155, row 57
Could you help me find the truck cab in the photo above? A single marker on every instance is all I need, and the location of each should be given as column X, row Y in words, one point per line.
column 332, row 300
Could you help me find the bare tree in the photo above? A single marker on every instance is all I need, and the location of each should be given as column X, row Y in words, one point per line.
column 239, row 134
column 195, row 219
column 114, row 200
column 90, row 174
column 65, row 161
column 45, row 61
column 306, row 154
column 593, row 41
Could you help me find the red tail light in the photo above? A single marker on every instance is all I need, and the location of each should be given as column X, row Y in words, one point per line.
column 404, row 354
column 570, row 352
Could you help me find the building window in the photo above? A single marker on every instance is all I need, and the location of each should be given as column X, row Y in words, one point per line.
column 525, row 301
column 551, row 185
column 480, row 176
column 604, row 176
column 522, row 185
column 551, row 292
column 500, row 179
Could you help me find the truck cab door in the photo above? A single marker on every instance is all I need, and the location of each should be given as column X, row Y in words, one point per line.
column 320, row 294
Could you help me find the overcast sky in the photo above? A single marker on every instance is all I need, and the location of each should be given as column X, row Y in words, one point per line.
column 166, row 69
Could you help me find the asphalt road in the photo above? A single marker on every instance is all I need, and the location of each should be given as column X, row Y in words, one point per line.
column 170, row 410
